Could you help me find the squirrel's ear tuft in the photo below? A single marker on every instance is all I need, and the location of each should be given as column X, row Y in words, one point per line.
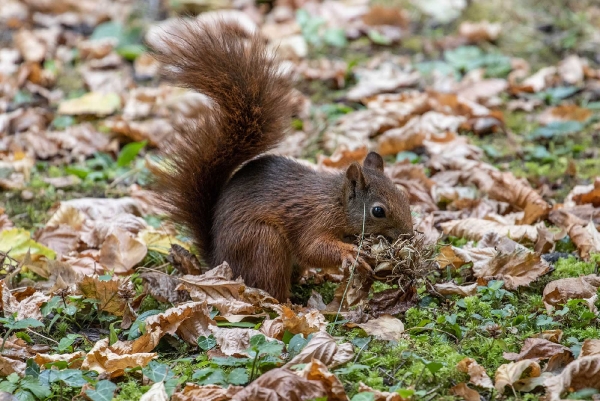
column 355, row 178
column 374, row 161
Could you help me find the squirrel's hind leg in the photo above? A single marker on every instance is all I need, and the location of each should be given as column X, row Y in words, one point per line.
column 262, row 257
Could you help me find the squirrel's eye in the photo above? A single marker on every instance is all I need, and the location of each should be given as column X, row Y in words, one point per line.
column 378, row 212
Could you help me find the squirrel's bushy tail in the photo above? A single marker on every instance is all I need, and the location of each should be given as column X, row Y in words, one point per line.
column 251, row 111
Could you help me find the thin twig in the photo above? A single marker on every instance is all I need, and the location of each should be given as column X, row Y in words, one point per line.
column 41, row 335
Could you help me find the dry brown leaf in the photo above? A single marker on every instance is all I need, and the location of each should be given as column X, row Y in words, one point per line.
column 106, row 292
column 564, row 112
column 74, row 359
column 481, row 31
column 189, row 321
column 393, row 301
column 558, row 292
column 551, row 335
column 120, row 252
column 476, row 372
column 455, row 289
column 9, row 366
column 234, row 341
column 509, row 374
column 505, row 187
column 585, row 237
column 418, row 130
column 281, row 385
column 324, row 348
column 316, row 370
column 385, row 327
column 461, row 390
column 343, row 157
column 387, row 78
column 113, row 360
column 184, row 261
column 162, row 287
column 62, row 238
column 210, row 392
column 218, row 289
column 592, row 196
column 379, row 395
column 93, row 209
column 517, row 268
column 302, row 323
column 474, row 229
column 579, row 374
column 590, row 346
column 30, row 307
column 537, row 349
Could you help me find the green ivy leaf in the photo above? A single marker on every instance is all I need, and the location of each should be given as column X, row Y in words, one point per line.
column 206, row 343
column 104, row 391
column 157, row 372
column 238, row 377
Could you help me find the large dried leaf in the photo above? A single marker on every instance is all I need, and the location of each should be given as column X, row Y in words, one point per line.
column 537, row 349
column 468, row 394
column 509, row 374
column 302, row 323
column 505, row 187
column 106, row 292
column 234, row 341
column 579, row 374
column 517, row 268
column 385, row 327
column 455, row 289
column 113, row 360
column 120, row 251
column 417, row 130
column 387, row 78
column 564, row 112
column 474, row 229
column 558, row 292
column 583, row 234
column 324, row 348
column 222, row 292
column 189, row 321
column 316, row 370
column 74, row 360
column 162, row 287
column 592, row 196
column 476, row 372
column 210, row 392
column 281, row 385
column 590, row 346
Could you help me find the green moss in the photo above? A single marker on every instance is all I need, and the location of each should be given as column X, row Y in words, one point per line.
column 131, row 390
column 572, row 267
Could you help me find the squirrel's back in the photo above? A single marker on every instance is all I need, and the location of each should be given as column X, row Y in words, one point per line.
column 252, row 105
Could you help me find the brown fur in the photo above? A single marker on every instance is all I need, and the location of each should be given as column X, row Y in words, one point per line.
column 273, row 211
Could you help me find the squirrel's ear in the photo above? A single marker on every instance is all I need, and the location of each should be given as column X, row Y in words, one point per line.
column 374, row 161
column 355, row 179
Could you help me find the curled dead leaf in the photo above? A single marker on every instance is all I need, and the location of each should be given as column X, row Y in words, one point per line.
column 537, row 349
column 210, row 392
column 579, row 374
column 558, row 292
column 323, row 347
column 113, row 360
column 455, row 289
column 509, row 374
column 476, row 372
column 474, row 229
column 462, row 390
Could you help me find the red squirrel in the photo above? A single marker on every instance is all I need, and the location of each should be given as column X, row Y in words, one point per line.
column 261, row 213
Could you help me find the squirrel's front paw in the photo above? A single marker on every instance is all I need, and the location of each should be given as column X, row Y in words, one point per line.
column 354, row 260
